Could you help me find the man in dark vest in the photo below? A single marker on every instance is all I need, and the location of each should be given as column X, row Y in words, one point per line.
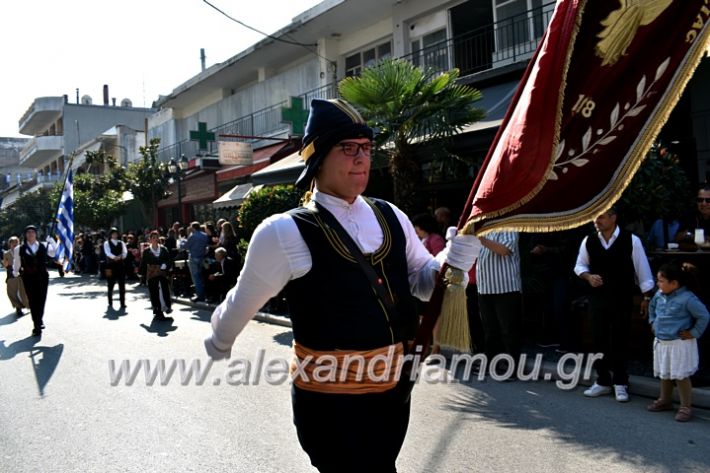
column 320, row 254
column 116, row 251
column 614, row 263
column 31, row 264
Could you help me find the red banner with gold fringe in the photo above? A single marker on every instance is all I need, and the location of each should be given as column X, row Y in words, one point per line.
column 600, row 86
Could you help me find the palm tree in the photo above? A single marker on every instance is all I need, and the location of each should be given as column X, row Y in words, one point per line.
column 406, row 104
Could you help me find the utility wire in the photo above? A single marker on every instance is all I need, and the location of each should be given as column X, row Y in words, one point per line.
column 275, row 38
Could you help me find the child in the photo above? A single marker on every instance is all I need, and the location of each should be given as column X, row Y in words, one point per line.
column 677, row 318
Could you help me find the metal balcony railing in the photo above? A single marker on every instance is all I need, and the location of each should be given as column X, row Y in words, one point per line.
column 264, row 122
column 507, row 41
column 504, row 42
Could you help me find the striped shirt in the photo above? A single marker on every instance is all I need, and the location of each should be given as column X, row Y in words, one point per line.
column 496, row 274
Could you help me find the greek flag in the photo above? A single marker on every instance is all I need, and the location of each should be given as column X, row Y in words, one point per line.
column 65, row 224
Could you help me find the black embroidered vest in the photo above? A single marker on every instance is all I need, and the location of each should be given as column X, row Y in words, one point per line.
column 615, row 265
column 333, row 306
column 33, row 263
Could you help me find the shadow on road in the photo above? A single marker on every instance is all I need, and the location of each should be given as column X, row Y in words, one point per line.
column 44, row 359
column 600, row 427
column 10, row 318
column 284, row 338
column 113, row 314
column 160, row 328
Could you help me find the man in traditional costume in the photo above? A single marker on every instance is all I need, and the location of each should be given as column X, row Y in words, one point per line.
column 30, row 262
column 116, row 251
column 349, row 266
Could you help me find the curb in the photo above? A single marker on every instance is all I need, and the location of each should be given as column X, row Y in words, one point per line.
column 260, row 316
column 641, row 386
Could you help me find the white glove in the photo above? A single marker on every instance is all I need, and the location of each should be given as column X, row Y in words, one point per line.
column 214, row 352
column 462, row 250
column 163, row 266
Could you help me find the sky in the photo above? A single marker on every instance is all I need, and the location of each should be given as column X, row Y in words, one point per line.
column 140, row 48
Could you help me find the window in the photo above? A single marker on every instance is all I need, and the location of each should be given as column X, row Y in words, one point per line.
column 431, row 50
column 519, row 21
column 366, row 58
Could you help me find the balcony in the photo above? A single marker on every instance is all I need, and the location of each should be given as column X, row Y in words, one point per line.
column 43, row 112
column 266, row 122
column 508, row 41
column 41, row 150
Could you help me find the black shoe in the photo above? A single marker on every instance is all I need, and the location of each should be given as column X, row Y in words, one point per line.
column 18, row 312
column 37, row 332
column 123, row 306
column 169, row 310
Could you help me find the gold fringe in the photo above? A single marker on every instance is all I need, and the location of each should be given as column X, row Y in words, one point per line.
column 452, row 327
column 623, row 176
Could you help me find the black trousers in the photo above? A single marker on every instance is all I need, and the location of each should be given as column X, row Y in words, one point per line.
column 349, row 433
column 475, row 325
column 155, row 286
column 501, row 317
column 36, row 288
column 117, row 275
column 611, row 324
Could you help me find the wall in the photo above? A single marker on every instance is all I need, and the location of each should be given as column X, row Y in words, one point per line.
column 95, row 119
column 293, row 79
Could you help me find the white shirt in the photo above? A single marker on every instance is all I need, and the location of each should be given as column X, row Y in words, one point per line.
column 17, row 261
column 277, row 254
column 107, row 249
column 644, row 276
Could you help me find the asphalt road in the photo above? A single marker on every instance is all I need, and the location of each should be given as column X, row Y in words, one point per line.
column 60, row 412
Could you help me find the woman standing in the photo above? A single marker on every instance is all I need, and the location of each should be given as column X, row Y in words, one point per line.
column 155, row 263
column 228, row 240
column 116, row 252
column 30, row 263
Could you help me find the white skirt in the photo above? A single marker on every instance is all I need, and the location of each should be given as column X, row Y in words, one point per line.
column 675, row 359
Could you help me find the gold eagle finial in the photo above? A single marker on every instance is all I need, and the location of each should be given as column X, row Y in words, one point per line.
column 621, row 26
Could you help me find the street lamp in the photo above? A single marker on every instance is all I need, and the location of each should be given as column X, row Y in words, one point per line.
column 176, row 168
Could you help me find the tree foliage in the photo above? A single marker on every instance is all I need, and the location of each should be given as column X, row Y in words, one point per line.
column 149, row 179
column 34, row 208
column 660, row 189
column 264, row 203
column 405, row 103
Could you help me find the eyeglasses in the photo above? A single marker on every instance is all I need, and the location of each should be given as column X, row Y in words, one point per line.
column 700, row 200
column 350, row 148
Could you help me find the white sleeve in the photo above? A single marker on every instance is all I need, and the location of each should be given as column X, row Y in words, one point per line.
column 582, row 265
column 644, row 276
column 124, row 252
column 16, row 261
column 107, row 250
column 422, row 266
column 51, row 247
column 273, row 258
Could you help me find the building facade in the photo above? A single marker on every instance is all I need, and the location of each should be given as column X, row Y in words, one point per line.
column 490, row 42
column 60, row 129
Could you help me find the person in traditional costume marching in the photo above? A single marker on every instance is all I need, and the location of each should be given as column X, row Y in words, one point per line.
column 346, row 424
column 15, row 289
column 155, row 263
column 30, row 262
column 116, row 251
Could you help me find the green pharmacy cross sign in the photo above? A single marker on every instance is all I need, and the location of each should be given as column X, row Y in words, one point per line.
column 296, row 116
column 202, row 135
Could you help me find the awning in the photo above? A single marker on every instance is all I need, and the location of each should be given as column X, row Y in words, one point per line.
column 284, row 171
column 234, row 197
column 495, row 102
